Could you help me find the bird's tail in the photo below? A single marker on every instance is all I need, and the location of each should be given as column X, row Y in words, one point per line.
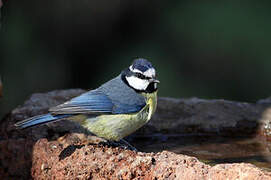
column 36, row 120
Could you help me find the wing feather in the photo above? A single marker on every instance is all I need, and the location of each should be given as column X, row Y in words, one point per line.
column 95, row 102
column 88, row 103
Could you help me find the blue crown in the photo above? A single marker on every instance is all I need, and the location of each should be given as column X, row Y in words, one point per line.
column 141, row 64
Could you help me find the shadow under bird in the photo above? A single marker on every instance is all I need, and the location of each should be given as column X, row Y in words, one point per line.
column 114, row 110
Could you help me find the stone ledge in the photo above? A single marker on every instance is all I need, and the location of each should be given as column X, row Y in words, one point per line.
column 102, row 162
column 42, row 146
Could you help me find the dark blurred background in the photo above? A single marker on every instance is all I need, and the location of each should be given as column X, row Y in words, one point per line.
column 208, row 49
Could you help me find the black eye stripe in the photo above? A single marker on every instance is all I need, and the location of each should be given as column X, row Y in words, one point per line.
column 141, row 76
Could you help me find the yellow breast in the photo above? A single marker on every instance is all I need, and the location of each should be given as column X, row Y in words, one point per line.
column 151, row 100
column 115, row 127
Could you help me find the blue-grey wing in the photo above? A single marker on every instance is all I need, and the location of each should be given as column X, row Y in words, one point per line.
column 87, row 103
column 127, row 108
column 94, row 102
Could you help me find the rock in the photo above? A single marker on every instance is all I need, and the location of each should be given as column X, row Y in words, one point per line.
column 236, row 171
column 99, row 162
column 182, row 115
column 39, row 104
column 16, row 145
column 207, row 116
column 102, row 162
column 64, row 150
column 265, row 119
column 15, row 158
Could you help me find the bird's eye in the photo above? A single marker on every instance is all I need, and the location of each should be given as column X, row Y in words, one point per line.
column 141, row 76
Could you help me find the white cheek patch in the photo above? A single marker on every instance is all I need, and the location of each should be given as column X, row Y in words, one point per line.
column 136, row 83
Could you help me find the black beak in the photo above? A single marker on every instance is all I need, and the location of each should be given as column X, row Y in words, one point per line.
column 155, row 81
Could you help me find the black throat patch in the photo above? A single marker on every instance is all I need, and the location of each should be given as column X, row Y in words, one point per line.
column 127, row 73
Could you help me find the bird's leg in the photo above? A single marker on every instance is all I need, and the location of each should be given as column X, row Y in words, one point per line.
column 129, row 145
column 121, row 143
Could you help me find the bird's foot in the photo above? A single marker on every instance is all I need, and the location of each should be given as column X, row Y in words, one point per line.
column 128, row 145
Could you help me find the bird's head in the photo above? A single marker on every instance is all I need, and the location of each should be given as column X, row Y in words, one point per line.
column 141, row 76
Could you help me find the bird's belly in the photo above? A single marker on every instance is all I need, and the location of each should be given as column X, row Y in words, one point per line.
column 115, row 127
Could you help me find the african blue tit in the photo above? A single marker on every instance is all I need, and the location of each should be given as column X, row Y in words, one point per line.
column 114, row 110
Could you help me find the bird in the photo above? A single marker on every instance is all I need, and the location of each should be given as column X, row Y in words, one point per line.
column 114, row 110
